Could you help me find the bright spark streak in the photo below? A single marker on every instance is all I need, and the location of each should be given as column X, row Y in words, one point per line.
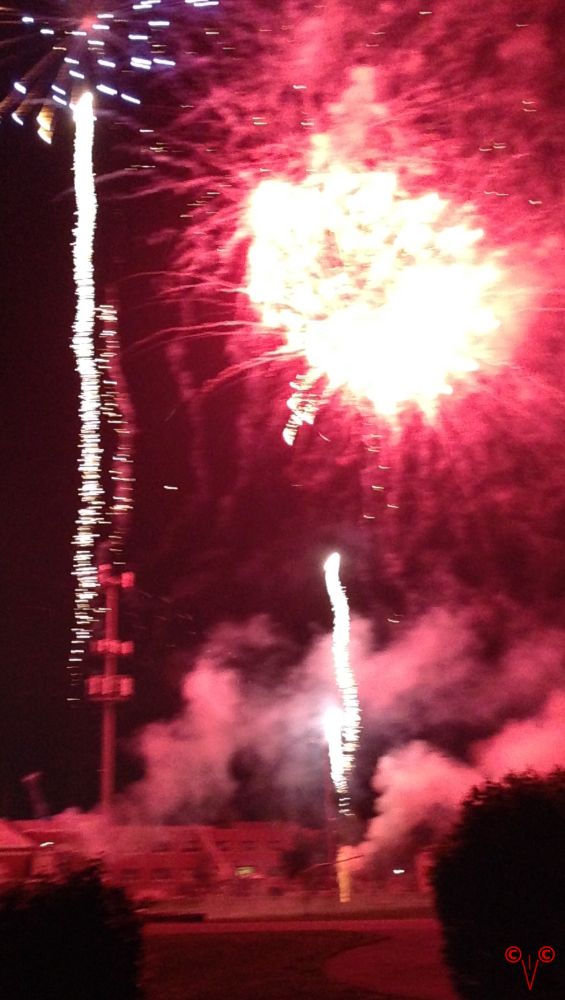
column 332, row 724
column 342, row 726
column 90, row 451
column 388, row 298
column 118, row 412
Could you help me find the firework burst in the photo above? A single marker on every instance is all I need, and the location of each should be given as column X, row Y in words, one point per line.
column 371, row 240
column 420, row 296
column 386, row 297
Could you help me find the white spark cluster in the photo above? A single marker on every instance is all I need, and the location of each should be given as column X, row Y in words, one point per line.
column 342, row 726
column 390, row 298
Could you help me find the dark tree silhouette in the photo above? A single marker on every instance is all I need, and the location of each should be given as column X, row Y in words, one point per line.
column 68, row 939
column 499, row 882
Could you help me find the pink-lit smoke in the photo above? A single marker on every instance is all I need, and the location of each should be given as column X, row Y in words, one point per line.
column 435, row 679
column 189, row 760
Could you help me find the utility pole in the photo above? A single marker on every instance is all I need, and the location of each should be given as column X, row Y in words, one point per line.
column 110, row 687
column 32, row 784
column 329, row 809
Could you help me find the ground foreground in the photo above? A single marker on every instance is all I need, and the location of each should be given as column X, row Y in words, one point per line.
column 337, row 960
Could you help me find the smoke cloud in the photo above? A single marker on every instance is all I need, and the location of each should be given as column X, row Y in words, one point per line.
column 438, row 678
column 244, row 741
column 453, row 712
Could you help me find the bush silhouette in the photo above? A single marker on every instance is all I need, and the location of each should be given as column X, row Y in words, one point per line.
column 499, row 881
column 74, row 939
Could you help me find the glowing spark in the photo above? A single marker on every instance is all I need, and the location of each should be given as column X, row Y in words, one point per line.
column 90, row 452
column 342, row 726
column 387, row 297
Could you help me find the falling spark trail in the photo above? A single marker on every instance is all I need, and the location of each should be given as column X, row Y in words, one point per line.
column 342, row 738
column 119, row 415
column 90, row 453
column 63, row 43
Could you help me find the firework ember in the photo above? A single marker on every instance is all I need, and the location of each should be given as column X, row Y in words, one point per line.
column 341, row 726
column 389, row 298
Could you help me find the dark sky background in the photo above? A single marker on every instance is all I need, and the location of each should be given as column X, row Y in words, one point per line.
column 39, row 427
column 478, row 516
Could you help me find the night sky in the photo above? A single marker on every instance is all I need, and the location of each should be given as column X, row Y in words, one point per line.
column 39, row 447
column 470, row 518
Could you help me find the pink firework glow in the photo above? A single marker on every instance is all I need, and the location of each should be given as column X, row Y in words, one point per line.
column 389, row 237
column 389, row 298
column 382, row 237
